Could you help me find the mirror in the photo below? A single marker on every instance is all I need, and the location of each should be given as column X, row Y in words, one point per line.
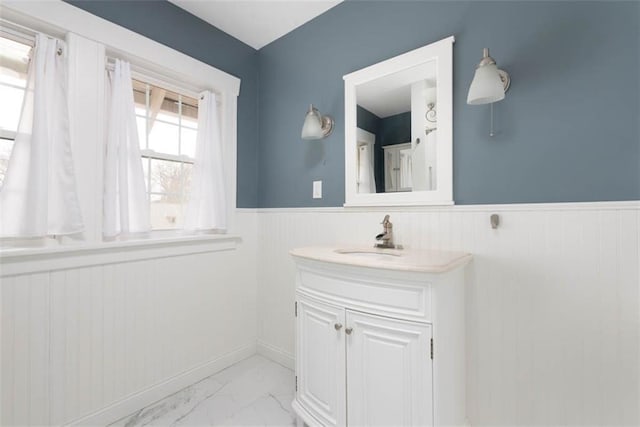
column 398, row 129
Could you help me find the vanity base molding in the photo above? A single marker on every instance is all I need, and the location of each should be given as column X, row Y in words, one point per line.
column 303, row 417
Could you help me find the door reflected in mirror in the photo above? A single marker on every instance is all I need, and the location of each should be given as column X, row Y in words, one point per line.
column 397, row 131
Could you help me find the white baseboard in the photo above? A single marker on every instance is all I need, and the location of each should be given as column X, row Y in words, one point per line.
column 276, row 354
column 134, row 402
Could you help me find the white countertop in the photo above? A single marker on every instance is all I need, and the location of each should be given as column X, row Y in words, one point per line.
column 418, row 260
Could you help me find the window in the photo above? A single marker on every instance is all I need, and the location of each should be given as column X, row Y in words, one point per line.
column 167, row 126
column 14, row 61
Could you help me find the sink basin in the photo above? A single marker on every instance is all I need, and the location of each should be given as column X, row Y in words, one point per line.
column 416, row 260
column 369, row 254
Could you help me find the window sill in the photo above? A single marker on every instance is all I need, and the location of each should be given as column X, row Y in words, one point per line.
column 14, row 261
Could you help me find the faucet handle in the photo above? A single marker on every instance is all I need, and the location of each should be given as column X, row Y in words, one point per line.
column 385, row 220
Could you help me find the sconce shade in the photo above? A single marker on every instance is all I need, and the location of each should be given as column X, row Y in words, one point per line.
column 430, row 95
column 312, row 127
column 486, row 86
column 489, row 83
column 316, row 126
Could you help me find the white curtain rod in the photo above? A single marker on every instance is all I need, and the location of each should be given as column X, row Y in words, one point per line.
column 148, row 76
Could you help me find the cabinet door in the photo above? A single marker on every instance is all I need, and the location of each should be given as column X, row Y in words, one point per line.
column 320, row 361
column 389, row 372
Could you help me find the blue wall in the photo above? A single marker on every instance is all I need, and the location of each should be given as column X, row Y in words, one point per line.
column 367, row 120
column 176, row 28
column 567, row 131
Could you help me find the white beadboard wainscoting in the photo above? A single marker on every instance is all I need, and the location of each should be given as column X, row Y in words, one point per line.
column 89, row 336
column 553, row 309
column 553, row 312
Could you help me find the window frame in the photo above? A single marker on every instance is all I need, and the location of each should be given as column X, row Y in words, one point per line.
column 161, row 77
column 148, row 154
column 24, row 35
column 15, row 33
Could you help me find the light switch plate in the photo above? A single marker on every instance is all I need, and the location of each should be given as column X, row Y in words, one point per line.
column 317, row 189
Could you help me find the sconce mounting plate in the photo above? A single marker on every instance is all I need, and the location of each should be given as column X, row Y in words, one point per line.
column 506, row 79
column 327, row 125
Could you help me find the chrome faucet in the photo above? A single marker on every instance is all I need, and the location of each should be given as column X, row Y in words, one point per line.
column 385, row 239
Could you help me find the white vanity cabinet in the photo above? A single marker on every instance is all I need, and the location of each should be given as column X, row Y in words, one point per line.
column 389, row 379
column 379, row 341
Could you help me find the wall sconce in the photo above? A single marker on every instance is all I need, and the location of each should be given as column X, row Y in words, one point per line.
column 489, row 84
column 316, row 126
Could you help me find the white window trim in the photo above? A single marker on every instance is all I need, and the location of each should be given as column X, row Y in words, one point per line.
column 7, row 134
column 17, row 33
column 43, row 259
column 91, row 40
column 145, row 152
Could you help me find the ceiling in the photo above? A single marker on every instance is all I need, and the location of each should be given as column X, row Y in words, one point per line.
column 391, row 94
column 256, row 22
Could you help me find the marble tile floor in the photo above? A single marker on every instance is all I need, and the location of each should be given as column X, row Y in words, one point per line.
column 253, row 392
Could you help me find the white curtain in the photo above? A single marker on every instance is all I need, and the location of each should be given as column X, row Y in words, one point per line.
column 422, row 161
column 389, row 172
column 38, row 196
column 126, row 206
column 366, row 177
column 207, row 208
column 405, row 169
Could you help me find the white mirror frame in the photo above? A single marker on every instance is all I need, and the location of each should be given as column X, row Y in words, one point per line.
column 442, row 51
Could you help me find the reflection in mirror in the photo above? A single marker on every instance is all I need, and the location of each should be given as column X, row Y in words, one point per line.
column 399, row 129
column 397, row 122
column 366, row 161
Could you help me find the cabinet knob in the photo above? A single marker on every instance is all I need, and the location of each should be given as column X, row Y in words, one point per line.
column 348, row 331
column 338, row 326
